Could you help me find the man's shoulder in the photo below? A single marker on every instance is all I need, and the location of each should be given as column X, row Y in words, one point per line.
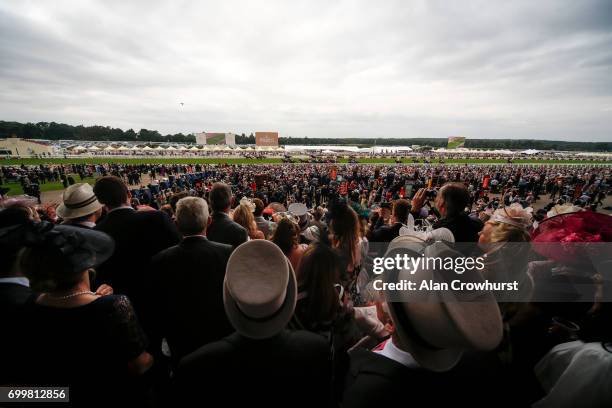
column 375, row 379
column 205, row 245
column 115, row 219
column 225, row 222
column 233, row 224
column 218, row 246
column 386, row 232
column 205, row 356
column 149, row 216
column 301, row 344
column 364, row 361
column 13, row 293
column 167, row 253
column 306, row 341
column 218, row 220
column 475, row 222
column 193, row 247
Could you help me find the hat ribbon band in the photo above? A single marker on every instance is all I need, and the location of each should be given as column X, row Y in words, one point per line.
column 404, row 320
column 81, row 204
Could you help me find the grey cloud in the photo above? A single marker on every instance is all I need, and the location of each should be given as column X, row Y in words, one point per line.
column 313, row 68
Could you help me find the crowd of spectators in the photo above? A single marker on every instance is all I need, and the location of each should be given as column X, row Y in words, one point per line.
column 251, row 284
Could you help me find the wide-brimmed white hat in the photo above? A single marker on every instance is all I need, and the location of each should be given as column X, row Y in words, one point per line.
column 417, row 241
column 79, row 200
column 438, row 234
column 260, row 290
column 437, row 328
column 298, row 209
column 563, row 209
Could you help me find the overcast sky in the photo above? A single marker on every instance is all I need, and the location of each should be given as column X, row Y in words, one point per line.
column 482, row 69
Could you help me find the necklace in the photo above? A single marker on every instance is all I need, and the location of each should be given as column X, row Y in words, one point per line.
column 85, row 292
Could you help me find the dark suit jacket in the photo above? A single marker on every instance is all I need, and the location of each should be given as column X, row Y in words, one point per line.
column 188, row 287
column 288, row 370
column 465, row 230
column 13, row 295
column 385, row 233
column 138, row 235
column 226, row 231
column 374, row 380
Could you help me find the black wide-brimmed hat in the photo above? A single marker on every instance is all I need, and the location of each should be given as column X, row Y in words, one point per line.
column 81, row 248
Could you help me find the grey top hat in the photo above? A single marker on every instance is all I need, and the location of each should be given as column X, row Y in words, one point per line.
column 260, row 290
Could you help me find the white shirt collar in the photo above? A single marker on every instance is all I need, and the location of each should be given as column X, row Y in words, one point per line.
column 194, row 236
column 87, row 224
column 120, row 208
column 391, row 351
column 18, row 280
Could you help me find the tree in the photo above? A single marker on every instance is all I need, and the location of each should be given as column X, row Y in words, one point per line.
column 131, row 135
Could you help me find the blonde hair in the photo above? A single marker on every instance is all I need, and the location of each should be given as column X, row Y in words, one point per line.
column 510, row 224
column 243, row 216
column 508, row 233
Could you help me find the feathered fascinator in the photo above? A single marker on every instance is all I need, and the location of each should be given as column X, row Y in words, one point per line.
column 514, row 215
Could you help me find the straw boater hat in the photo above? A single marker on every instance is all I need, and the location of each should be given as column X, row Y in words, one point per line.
column 79, row 200
column 438, row 327
column 260, row 290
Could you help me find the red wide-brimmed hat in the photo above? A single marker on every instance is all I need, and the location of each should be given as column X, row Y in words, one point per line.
column 564, row 237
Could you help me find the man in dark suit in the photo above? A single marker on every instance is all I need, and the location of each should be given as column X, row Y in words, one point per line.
column 262, row 363
column 14, row 292
column 455, row 362
column 375, row 379
column 451, row 202
column 138, row 235
column 188, row 283
column 399, row 218
column 222, row 228
column 289, row 369
column 14, row 287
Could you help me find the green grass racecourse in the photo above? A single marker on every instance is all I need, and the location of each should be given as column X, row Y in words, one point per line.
column 220, row 160
column 15, row 188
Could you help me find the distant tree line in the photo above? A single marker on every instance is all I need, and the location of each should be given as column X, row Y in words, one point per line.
column 61, row 131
